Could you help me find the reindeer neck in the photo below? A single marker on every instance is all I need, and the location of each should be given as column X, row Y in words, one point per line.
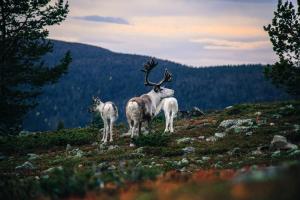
column 100, row 106
column 155, row 98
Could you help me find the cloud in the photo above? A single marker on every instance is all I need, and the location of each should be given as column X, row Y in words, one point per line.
column 96, row 18
column 209, row 43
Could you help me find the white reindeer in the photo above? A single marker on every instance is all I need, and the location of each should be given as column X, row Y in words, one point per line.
column 170, row 107
column 109, row 114
column 142, row 109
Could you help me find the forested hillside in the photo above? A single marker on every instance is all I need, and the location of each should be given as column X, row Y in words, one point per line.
column 117, row 77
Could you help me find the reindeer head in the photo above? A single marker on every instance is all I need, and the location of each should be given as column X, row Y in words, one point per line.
column 95, row 103
column 157, row 88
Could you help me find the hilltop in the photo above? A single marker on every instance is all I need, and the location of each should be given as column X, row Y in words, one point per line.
column 117, row 77
column 224, row 154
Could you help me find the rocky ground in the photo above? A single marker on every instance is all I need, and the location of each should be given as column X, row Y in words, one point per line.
column 247, row 151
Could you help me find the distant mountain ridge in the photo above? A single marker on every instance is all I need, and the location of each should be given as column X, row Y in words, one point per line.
column 116, row 77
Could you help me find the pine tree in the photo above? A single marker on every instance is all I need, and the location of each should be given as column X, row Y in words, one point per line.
column 23, row 43
column 284, row 34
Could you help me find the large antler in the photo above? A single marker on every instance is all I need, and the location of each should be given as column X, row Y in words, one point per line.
column 148, row 67
column 167, row 78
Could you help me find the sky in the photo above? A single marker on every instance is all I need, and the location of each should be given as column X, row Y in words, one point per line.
column 197, row 33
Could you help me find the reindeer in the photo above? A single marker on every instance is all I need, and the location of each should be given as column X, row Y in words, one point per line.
column 109, row 114
column 170, row 107
column 142, row 109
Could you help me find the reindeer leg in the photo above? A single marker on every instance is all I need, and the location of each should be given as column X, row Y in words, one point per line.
column 132, row 130
column 171, row 123
column 103, row 132
column 111, row 130
column 106, row 127
column 167, row 122
column 130, row 126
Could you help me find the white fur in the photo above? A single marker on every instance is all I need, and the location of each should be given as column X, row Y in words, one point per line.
column 170, row 107
column 134, row 113
column 109, row 114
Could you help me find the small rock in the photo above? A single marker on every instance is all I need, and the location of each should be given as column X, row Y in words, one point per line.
column 26, row 165
column 205, row 158
column 26, row 133
column 188, row 150
column 200, row 162
column 184, row 161
column 95, row 144
column 103, row 165
column 112, row 167
column 249, row 133
column 235, row 151
column 228, row 107
column 185, row 140
column 220, row 156
column 258, row 113
column 32, row 156
column 257, row 152
column 132, row 145
column 220, row 135
column 211, row 139
column 201, row 137
column 111, row 147
column 51, row 169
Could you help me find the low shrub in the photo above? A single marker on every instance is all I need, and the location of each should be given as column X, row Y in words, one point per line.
column 23, row 144
column 153, row 139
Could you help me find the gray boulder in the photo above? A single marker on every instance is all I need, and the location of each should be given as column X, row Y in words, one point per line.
column 235, row 122
column 280, row 142
column 111, row 147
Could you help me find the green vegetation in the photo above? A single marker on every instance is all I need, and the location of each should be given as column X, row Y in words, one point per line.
column 152, row 139
column 44, row 141
column 69, row 162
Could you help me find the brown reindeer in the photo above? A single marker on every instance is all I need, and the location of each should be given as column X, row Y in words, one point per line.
column 143, row 108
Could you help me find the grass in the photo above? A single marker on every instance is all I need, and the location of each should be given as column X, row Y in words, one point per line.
column 160, row 153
